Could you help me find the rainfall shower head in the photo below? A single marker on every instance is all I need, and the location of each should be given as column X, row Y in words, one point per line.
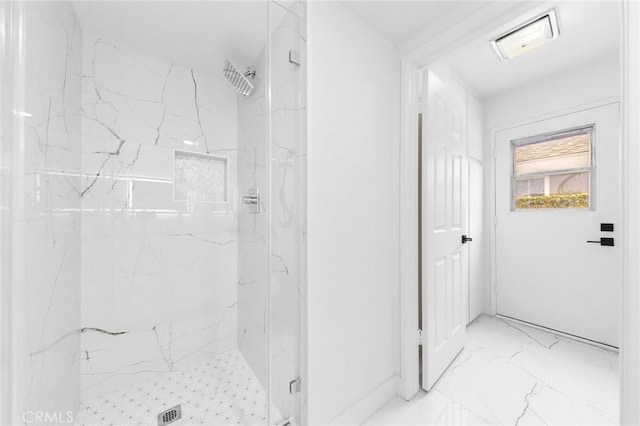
column 239, row 80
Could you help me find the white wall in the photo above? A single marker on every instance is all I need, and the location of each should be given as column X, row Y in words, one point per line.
column 587, row 84
column 475, row 123
column 477, row 250
column 353, row 275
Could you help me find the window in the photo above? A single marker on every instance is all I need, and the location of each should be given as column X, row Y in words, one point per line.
column 553, row 171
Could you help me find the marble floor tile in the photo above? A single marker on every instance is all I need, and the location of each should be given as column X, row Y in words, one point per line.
column 219, row 391
column 511, row 374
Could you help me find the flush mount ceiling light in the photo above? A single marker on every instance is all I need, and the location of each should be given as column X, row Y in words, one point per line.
column 527, row 36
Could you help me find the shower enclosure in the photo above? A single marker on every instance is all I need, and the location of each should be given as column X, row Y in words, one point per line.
column 153, row 212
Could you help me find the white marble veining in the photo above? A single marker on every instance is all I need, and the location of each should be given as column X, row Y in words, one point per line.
column 158, row 274
column 509, row 373
column 218, row 391
column 46, row 231
column 107, row 354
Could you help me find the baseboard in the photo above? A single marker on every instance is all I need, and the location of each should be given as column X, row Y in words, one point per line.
column 367, row 406
column 603, row 346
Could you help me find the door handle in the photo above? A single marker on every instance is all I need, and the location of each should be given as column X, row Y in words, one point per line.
column 604, row 241
column 466, row 239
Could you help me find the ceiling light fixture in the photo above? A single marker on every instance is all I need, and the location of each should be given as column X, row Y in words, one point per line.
column 527, row 36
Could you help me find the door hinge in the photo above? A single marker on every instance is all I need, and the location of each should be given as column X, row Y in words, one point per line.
column 294, row 57
column 295, row 386
column 420, row 103
column 419, row 337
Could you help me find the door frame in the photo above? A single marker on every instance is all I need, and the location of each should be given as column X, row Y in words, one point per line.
column 429, row 50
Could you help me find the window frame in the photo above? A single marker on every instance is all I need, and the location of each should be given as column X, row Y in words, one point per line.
column 549, row 136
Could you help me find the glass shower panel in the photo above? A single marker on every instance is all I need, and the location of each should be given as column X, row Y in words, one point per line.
column 41, row 208
column 253, row 221
column 288, row 170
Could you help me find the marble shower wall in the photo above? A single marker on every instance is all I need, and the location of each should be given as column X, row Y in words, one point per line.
column 46, row 244
column 158, row 275
column 282, row 257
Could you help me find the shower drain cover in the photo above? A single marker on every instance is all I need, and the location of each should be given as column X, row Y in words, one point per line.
column 170, row 415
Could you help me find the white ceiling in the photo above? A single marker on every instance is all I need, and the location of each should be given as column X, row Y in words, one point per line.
column 398, row 20
column 198, row 34
column 201, row 34
column 588, row 32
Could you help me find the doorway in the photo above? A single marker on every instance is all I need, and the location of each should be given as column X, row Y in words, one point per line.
column 510, row 119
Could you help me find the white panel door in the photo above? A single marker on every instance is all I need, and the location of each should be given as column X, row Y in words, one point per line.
column 547, row 273
column 444, row 214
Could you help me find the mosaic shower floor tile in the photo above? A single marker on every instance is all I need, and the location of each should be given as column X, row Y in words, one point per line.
column 220, row 391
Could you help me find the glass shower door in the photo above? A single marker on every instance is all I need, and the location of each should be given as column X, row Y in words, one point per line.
column 287, row 210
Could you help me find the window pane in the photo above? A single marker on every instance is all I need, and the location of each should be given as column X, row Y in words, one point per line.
column 549, row 173
column 560, row 153
column 534, row 186
column 569, row 183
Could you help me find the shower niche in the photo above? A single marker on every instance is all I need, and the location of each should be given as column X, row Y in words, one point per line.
column 141, row 145
column 200, row 177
